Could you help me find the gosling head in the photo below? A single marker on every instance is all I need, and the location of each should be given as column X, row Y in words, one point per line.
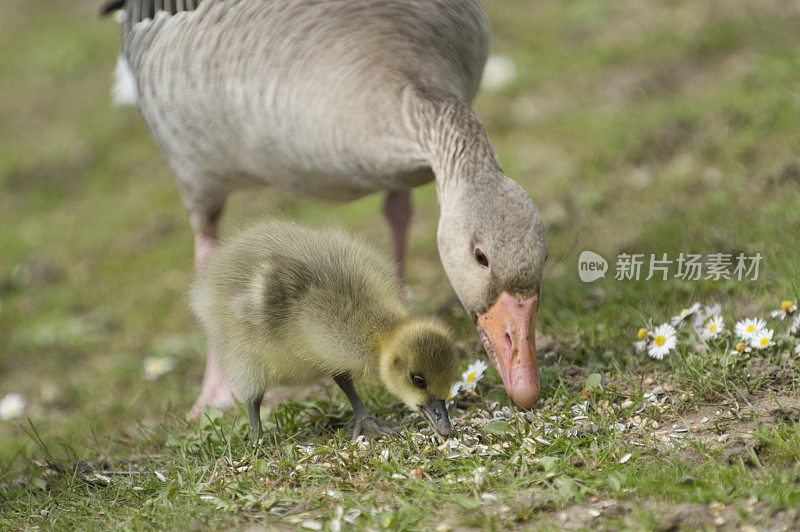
column 419, row 365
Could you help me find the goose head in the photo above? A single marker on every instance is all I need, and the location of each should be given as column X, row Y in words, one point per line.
column 492, row 244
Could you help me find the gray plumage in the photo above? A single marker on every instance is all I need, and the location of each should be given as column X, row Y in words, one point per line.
column 330, row 99
column 307, row 95
column 336, row 99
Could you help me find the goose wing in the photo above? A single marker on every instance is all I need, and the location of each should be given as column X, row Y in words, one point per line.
column 143, row 9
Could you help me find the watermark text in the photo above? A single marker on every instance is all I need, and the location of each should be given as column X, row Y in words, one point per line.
column 661, row 266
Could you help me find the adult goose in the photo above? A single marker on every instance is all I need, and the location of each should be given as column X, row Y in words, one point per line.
column 337, row 99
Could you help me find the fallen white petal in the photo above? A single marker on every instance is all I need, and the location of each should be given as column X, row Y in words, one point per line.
column 12, row 406
column 498, row 73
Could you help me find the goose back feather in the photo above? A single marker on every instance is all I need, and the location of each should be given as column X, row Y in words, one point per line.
column 307, row 95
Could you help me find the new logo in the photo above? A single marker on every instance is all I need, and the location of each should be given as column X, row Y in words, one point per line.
column 591, row 266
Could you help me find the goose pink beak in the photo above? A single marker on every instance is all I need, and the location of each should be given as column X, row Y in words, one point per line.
column 508, row 336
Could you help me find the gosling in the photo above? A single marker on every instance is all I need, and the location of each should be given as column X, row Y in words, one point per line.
column 287, row 305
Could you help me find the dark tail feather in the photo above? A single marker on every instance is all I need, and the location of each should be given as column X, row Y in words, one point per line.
column 111, row 5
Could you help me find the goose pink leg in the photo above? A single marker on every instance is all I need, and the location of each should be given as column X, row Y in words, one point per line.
column 216, row 391
column 397, row 209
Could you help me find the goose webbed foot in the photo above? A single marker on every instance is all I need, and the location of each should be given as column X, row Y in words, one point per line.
column 217, row 392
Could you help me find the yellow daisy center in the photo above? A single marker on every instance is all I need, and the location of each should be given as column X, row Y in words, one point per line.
column 764, row 341
column 642, row 334
column 751, row 328
column 786, row 305
column 471, row 377
column 684, row 311
column 740, row 346
column 713, row 327
column 659, row 340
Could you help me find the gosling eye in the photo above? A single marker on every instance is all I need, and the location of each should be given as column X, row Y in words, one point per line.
column 419, row 381
column 481, row 258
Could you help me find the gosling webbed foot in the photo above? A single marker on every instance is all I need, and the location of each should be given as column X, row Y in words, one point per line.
column 371, row 427
column 365, row 423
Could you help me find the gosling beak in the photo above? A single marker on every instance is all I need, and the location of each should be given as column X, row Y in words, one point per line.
column 508, row 337
column 436, row 413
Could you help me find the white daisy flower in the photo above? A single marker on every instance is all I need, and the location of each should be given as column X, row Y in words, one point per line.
column 797, row 350
column 643, row 336
column 705, row 314
column 12, row 406
column 740, row 348
column 473, row 374
column 747, row 327
column 712, row 328
column 664, row 340
column 787, row 309
column 454, row 389
column 680, row 319
column 498, row 73
column 154, row 367
column 762, row 340
column 794, row 328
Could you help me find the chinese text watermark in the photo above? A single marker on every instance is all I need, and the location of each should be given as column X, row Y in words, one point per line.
column 660, row 266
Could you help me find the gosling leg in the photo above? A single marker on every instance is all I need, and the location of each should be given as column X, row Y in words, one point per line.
column 365, row 423
column 254, row 411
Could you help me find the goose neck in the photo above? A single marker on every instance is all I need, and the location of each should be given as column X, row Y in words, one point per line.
column 454, row 142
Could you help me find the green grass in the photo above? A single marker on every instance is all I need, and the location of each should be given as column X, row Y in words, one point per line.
column 660, row 128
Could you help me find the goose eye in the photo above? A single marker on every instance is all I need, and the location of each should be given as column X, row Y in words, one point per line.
column 481, row 258
column 419, row 382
